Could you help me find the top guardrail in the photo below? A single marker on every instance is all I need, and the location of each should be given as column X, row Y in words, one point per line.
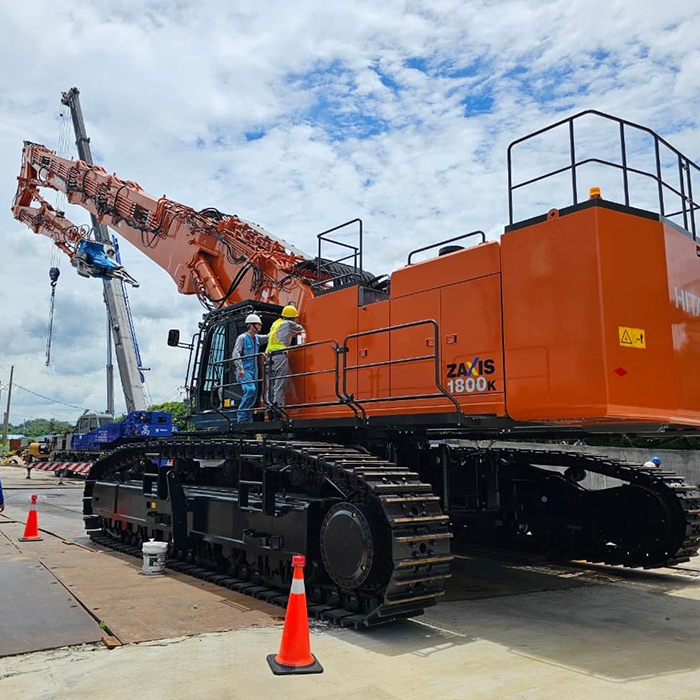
column 686, row 169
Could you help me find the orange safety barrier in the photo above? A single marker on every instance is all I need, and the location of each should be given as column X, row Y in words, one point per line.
column 295, row 649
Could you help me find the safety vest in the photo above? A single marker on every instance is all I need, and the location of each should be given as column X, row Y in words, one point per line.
column 273, row 343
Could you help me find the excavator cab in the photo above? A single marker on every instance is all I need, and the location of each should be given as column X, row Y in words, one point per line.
column 214, row 388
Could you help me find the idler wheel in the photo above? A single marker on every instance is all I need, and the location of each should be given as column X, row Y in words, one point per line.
column 576, row 474
column 347, row 545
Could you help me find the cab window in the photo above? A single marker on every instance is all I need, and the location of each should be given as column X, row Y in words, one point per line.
column 212, row 370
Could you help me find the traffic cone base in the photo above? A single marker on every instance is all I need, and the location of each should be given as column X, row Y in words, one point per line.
column 284, row 670
column 31, row 529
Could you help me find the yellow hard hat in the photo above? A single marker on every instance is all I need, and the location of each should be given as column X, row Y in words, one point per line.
column 290, row 311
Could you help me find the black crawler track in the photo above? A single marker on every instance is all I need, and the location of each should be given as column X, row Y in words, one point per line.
column 413, row 552
column 675, row 542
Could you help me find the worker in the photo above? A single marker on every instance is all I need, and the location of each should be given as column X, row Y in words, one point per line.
column 653, row 463
column 245, row 360
column 281, row 333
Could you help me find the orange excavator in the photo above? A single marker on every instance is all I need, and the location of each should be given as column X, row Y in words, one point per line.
column 583, row 319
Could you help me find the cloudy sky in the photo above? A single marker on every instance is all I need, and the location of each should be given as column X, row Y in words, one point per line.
column 300, row 116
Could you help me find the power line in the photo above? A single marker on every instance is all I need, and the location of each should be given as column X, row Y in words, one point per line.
column 47, row 398
column 173, row 392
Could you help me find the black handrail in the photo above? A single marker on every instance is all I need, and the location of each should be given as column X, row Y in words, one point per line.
column 192, row 365
column 344, row 398
column 266, row 394
column 357, row 250
column 447, row 240
column 435, row 355
column 686, row 168
column 335, row 370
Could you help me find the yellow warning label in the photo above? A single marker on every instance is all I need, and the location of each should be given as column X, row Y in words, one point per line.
column 632, row 337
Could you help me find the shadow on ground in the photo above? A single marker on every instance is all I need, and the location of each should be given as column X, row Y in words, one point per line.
column 609, row 623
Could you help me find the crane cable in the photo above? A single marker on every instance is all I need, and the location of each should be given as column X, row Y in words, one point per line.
column 54, row 273
column 61, row 200
column 47, row 398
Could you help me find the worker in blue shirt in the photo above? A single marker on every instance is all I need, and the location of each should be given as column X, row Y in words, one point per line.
column 2, row 499
column 245, row 359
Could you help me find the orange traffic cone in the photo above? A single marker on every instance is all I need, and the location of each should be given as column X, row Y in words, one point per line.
column 295, row 649
column 31, row 529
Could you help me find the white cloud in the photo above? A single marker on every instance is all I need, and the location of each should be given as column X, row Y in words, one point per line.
column 399, row 113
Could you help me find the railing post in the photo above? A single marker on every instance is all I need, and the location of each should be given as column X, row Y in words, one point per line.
column 510, row 185
column 681, row 178
column 572, row 148
column 361, row 268
column 690, row 201
column 623, row 148
column 659, row 181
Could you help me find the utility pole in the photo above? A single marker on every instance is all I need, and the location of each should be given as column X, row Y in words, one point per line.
column 7, row 411
column 117, row 316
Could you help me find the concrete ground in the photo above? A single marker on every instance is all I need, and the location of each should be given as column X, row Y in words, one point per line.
column 508, row 628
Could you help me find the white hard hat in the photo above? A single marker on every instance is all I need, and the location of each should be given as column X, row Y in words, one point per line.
column 253, row 318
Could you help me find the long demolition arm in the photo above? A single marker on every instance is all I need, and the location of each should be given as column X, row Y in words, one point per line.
column 220, row 258
column 90, row 259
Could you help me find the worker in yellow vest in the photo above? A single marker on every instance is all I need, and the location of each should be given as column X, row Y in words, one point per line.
column 282, row 331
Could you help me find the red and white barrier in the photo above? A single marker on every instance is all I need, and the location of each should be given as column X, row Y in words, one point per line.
column 76, row 467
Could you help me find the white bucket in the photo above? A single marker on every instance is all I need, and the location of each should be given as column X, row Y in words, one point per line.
column 154, row 557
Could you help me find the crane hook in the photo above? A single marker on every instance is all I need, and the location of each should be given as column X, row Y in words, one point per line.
column 54, row 274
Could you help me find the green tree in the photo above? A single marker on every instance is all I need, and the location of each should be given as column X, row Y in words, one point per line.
column 36, row 427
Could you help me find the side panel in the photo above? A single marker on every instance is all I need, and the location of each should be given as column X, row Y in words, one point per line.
column 445, row 270
column 639, row 362
column 414, row 377
column 472, row 345
column 124, row 500
column 330, row 317
column 602, row 319
column 373, row 382
column 683, row 261
column 552, row 320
